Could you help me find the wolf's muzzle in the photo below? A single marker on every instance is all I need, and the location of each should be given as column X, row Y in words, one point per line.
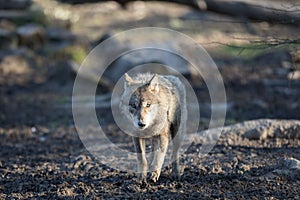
column 141, row 124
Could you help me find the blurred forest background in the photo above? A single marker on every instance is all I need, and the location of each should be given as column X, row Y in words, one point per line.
column 255, row 44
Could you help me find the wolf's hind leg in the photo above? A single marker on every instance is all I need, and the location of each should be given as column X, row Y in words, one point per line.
column 160, row 146
column 142, row 166
column 176, row 143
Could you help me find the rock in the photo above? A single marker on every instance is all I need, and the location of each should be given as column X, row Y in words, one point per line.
column 245, row 168
column 282, row 72
column 295, row 75
column 15, row 4
column 18, row 67
column 257, row 134
column 7, row 25
column 288, row 167
column 8, row 39
column 296, row 55
column 81, row 161
column 42, row 138
column 290, row 163
column 59, row 34
column 265, row 128
column 217, row 169
column 261, row 129
column 31, row 35
column 14, row 65
column 66, row 192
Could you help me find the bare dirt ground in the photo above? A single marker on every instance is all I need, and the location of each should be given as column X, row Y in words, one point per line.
column 42, row 157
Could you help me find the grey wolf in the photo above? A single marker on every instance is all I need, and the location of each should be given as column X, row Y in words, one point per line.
column 156, row 109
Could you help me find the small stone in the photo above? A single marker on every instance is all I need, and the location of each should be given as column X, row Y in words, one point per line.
column 59, row 34
column 42, row 138
column 66, row 192
column 295, row 75
column 260, row 103
column 31, row 35
column 288, row 167
column 7, row 39
column 245, row 168
column 33, row 129
column 282, row 71
column 257, row 134
column 291, row 163
column 14, row 65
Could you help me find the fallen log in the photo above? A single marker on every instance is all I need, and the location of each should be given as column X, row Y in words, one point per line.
column 273, row 12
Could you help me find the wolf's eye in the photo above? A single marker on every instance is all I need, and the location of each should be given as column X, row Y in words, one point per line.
column 148, row 105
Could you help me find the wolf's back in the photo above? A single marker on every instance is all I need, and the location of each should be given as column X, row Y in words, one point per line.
column 178, row 89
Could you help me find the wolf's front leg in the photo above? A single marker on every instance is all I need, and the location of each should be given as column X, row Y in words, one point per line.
column 140, row 148
column 160, row 146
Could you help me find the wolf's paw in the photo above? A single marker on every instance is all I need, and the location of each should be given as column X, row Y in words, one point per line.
column 176, row 170
column 155, row 175
column 142, row 178
column 175, row 175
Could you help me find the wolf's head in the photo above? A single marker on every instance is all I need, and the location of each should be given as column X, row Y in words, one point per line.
column 143, row 100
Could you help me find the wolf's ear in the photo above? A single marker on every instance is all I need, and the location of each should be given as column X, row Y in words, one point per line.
column 153, row 84
column 128, row 80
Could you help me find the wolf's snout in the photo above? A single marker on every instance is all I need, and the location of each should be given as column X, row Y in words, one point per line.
column 141, row 124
